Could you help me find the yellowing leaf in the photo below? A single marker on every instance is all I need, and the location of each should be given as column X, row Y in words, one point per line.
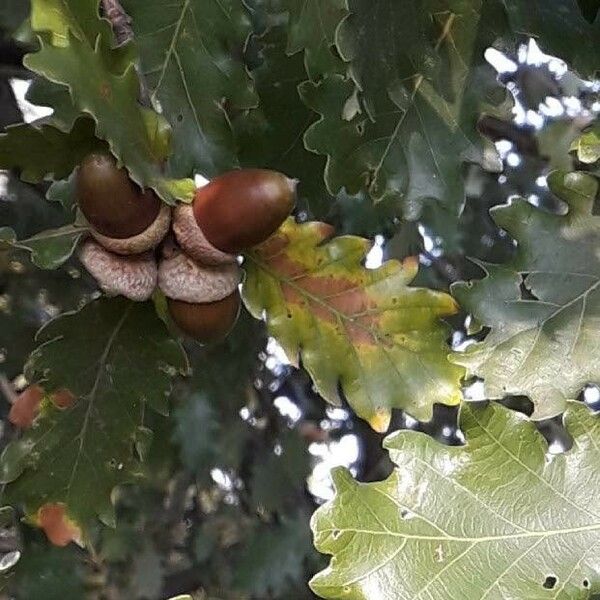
column 364, row 331
column 76, row 51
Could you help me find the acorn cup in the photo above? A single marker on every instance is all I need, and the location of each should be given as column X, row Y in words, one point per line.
column 232, row 213
column 133, row 276
column 203, row 300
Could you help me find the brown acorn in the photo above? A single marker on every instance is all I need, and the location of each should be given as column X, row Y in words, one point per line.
column 203, row 300
column 123, row 218
column 206, row 322
column 234, row 212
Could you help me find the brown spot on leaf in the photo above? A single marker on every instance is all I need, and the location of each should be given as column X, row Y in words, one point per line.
column 105, row 91
column 325, row 230
column 328, row 286
column 360, row 332
column 26, row 406
column 292, row 295
column 286, row 266
column 63, row 398
column 354, row 301
column 57, row 526
column 273, row 245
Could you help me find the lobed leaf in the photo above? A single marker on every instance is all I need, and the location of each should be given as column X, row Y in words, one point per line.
column 115, row 356
column 363, row 330
column 48, row 249
column 312, row 26
column 543, row 306
column 496, row 519
column 76, row 51
column 41, row 151
column 270, row 135
column 192, row 57
column 403, row 129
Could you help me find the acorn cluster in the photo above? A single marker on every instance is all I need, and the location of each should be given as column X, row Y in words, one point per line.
column 137, row 243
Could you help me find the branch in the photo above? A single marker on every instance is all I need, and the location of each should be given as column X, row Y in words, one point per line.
column 120, row 21
column 121, row 26
column 497, row 129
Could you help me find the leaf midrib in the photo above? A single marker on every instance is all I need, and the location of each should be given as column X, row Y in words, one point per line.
column 465, row 539
column 94, row 391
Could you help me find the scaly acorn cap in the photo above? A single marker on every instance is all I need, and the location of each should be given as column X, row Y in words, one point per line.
column 193, row 241
column 182, row 278
column 132, row 276
column 146, row 240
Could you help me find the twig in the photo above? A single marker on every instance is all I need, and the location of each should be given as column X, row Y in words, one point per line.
column 121, row 26
column 120, row 21
column 497, row 129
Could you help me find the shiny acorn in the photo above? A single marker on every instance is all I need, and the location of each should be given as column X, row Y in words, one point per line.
column 234, row 212
column 206, row 322
column 123, row 218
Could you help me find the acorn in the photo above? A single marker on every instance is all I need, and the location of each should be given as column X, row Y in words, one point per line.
column 123, row 218
column 209, row 322
column 202, row 300
column 232, row 213
column 133, row 276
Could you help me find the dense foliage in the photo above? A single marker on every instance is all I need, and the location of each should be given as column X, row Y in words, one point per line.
column 458, row 141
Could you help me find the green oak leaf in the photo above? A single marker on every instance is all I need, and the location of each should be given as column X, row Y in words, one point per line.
column 76, row 51
column 63, row 192
column 51, row 573
column 403, row 129
column 43, row 92
column 60, row 19
column 116, row 357
column 364, row 330
column 491, row 520
column 543, row 306
column 192, row 57
column 49, row 249
column 312, row 26
column 270, row 135
column 41, row 151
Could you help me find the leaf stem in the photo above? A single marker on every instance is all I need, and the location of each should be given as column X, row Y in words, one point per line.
column 120, row 21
